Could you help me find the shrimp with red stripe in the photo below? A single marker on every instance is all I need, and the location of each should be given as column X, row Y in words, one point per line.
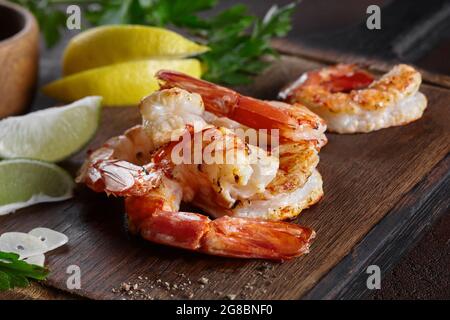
column 156, row 185
column 351, row 99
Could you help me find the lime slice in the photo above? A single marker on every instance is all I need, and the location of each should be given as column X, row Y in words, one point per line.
column 26, row 182
column 113, row 44
column 123, row 84
column 51, row 134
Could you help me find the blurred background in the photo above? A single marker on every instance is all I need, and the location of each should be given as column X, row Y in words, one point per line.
column 412, row 31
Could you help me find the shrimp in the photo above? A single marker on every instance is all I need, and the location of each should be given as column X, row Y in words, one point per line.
column 156, row 217
column 122, row 165
column 182, row 116
column 296, row 185
column 350, row 100
column 295, row 123
column 152, row 204
column 276, row 191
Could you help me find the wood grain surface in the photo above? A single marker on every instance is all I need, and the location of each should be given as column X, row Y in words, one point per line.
column 365, row 176
column 386, row 244
column 331, row 57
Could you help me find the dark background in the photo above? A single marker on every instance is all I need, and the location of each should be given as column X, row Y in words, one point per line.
column 416, row 32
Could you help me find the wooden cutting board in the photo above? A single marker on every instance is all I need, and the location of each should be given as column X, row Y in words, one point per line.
column 376, row 186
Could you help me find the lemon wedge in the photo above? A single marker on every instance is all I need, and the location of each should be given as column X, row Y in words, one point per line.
column 123, row 84
column 113, row 44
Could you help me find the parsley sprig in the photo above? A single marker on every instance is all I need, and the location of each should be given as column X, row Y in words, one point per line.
column 238, row 40
column 16, row 273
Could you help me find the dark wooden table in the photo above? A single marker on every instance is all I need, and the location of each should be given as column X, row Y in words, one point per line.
column 338, row 28
column 414, row 32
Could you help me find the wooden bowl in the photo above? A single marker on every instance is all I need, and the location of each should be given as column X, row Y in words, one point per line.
column 19, row 53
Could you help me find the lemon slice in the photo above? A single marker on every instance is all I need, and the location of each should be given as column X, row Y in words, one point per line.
column 123, row 84
column 26, row 182
column 107, row 45
column 51, row 134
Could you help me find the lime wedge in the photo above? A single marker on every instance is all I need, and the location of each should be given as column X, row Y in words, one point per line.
column 26, row 182
column 51, row 134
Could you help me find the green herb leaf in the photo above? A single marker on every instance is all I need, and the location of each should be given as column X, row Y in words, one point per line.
column 4, row 281
column 15, row 272
column 237, row 55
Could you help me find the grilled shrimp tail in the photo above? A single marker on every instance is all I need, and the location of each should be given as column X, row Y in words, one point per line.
column 258, row 114
column 248, row 238
column 226, row 236
column 226, row 102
